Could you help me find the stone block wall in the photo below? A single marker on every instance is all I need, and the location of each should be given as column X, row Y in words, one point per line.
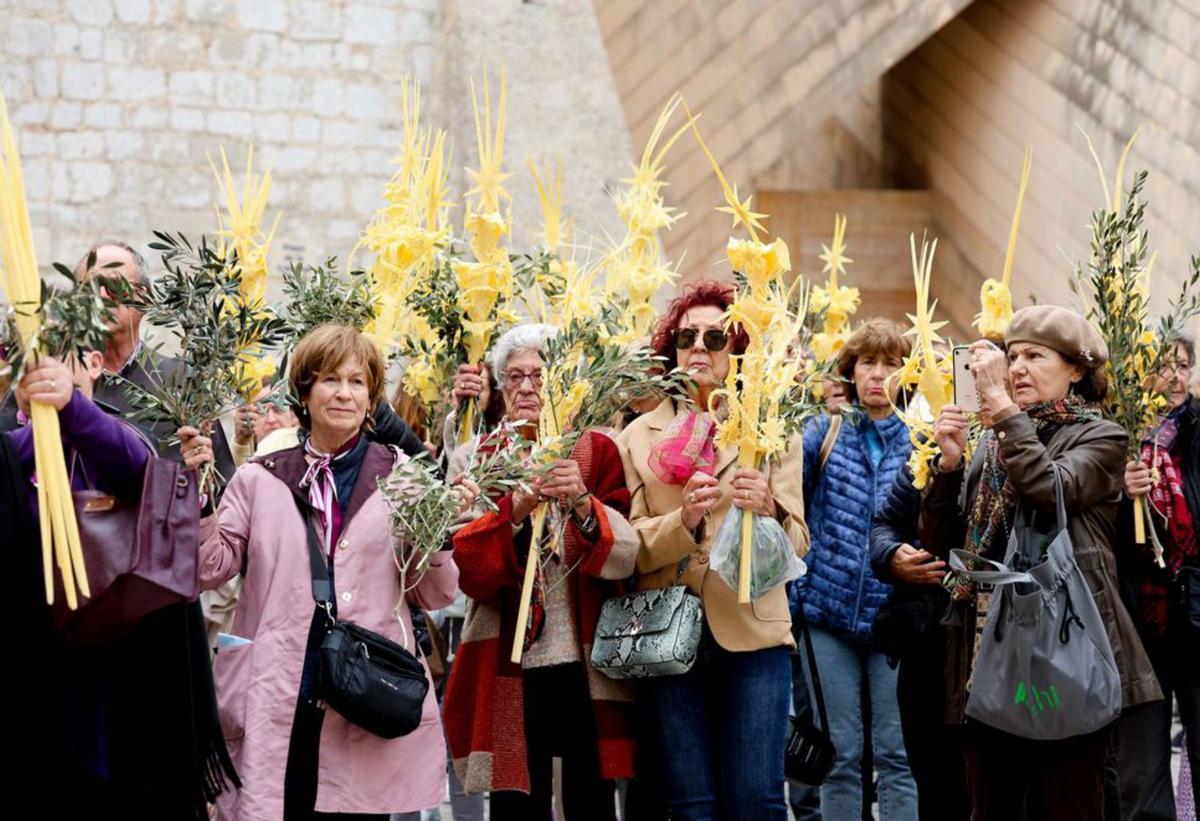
column 118, row 102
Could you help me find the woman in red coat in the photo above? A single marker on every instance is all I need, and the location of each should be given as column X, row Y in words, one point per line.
column 506, row 722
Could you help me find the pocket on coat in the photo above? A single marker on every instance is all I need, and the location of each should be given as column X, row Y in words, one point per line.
column 772, row 607
column 231, row 677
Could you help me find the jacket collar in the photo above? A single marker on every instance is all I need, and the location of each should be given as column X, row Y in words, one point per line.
column 289, row 467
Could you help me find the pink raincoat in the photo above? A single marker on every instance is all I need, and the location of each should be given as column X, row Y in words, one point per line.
column 259, row 528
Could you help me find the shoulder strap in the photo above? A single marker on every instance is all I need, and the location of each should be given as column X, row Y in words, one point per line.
column 831, row 435
column 322, row 587
column 814, row 675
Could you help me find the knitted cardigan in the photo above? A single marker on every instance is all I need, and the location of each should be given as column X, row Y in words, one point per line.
column 484, row 709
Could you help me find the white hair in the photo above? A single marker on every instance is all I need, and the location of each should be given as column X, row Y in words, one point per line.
column 528, row 337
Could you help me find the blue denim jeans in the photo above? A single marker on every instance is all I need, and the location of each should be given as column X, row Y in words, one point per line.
column 845, row 665
column 722, row 728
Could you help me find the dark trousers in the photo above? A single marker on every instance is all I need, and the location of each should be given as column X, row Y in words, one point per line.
column 1144, row 732
column 559, row 723
column 722, row 727
column 300, row 776
column 935, row 753
column 1013, row 779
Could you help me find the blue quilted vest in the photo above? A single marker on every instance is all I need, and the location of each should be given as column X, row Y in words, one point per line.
column 839, row 591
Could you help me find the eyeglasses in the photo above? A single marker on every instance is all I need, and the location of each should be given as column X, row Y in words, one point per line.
column 1172, row 367
column 714, row 339
column 516, row 379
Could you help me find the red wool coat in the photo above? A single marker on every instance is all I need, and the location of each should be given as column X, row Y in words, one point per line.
column 484, row 706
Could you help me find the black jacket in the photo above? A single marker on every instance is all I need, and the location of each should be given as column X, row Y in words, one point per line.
column 390, row 429
column 895, row 523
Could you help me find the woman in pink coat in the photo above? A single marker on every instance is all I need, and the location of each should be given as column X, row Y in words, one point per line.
column 297, row 759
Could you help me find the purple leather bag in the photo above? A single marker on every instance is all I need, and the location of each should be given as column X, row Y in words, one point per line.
column 140, row 556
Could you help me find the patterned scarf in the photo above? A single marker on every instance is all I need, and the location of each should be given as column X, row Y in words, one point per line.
column 322, row 489
column 990, row 518
column 1167, row 499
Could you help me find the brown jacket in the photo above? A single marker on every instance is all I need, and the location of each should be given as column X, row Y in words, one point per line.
column 655, row 513
column 1091, row 457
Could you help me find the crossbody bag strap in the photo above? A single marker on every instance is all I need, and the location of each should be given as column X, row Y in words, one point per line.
column 813, row 674
column 322, row 587
column 831, row 436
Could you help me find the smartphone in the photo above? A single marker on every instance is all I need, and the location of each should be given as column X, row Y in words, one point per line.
column 966, row 396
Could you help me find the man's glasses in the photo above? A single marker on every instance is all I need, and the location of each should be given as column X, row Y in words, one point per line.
column 714, row 339
column 515, row 378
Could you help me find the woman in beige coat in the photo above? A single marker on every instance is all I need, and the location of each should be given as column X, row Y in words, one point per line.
column 721, row 726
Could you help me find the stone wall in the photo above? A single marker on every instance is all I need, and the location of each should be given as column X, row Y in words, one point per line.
column 118, row 102
column 1006, row 73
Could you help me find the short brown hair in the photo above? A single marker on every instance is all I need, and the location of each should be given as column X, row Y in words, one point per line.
column 873, row 337
column 323, row 350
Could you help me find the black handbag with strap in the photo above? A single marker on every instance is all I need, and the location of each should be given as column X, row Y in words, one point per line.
column 367, row 678
column 809, row 754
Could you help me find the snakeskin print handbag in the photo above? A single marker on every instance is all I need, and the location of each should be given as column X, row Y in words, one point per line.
column 649, row 633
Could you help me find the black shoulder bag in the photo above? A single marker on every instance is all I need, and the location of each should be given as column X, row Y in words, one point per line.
column 809, row 754
column 368, row 678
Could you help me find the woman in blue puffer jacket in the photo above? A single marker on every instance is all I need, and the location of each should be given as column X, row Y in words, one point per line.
column 840, row 594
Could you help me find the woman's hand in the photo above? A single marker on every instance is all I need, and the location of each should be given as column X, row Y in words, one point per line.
column 1138, row 481
column 468, row 384
column 49, row 382
column 913, row 566
column 950, row 434
column 194, row 447
column 465, row 491
column 989, row 366
column 244, row 422
column 524, row 502
column 750, row 492
column 564, row 483
column 700, row 495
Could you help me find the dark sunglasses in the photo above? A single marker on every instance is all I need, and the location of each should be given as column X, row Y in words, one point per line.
column 714, row 340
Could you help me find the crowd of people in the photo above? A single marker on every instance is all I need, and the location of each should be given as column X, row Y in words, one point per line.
column 152, row 725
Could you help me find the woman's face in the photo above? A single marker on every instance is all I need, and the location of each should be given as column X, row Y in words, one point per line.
column 707, row 368
column 1039, row 374
column 338, row 402
column 523, row 386
column 273, row 414
column 871, row 372
column 1174, row 376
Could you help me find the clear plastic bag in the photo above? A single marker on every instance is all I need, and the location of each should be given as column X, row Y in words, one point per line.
column 773, row 559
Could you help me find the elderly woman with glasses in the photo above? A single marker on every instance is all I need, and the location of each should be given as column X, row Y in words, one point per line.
column 1164, row 600
column 721, row 726
column 506, row 722
column 298, row 758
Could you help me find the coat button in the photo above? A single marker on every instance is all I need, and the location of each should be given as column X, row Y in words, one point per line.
column 702, row 558
column 1002, row 434
column 343, row 544
column 346, row 596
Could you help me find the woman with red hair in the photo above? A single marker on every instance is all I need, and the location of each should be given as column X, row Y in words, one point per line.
column 722, row 725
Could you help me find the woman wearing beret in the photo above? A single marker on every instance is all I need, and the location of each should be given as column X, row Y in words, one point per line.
column 1044, row 397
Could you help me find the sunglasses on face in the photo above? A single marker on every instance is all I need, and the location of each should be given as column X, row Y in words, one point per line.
column 714, row 339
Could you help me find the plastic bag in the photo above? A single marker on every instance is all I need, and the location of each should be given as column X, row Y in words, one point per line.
column 773, row 559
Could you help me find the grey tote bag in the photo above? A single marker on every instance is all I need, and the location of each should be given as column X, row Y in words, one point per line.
column 1045, row 669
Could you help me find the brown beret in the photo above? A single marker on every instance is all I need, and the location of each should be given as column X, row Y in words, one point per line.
column 1059, row 329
